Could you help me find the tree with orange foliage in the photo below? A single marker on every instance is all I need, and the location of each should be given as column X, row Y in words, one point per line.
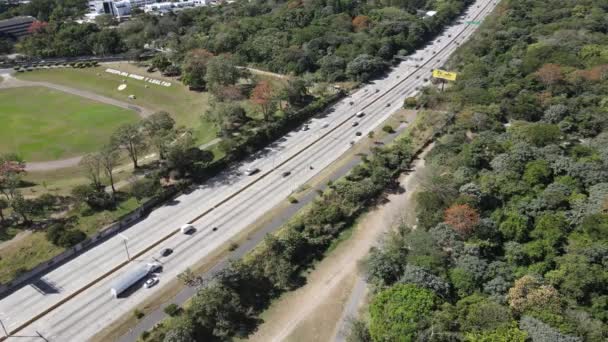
column 361, row 22
column 262, row 95
column 462, row 218
column 37, row 26
column 550, row 74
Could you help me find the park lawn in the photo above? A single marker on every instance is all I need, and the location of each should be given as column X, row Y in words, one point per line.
column 26, row 253
column 40, row 124
column 184, row 105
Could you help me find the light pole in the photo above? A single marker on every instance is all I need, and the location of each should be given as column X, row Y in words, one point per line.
column 124, row 240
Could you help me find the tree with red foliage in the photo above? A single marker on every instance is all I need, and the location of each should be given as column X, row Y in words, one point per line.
column 361, row 22
column 550, row 74
column 462, row 218
column 262, row 95
column 37, row 26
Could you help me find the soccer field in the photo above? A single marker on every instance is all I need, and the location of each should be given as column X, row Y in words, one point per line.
column 184, row 105
column 43, row 124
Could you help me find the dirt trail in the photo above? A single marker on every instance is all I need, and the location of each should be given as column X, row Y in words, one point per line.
column 296, row 307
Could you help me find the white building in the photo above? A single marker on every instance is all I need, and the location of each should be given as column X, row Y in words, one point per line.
column 122, row 8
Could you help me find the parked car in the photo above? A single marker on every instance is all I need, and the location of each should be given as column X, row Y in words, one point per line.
column 355, row 124
column 361, row 114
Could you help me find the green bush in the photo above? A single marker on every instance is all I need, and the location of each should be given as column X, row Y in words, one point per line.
column 138, row 314
column 388, row 129
column 410, row 102
column 172, row 309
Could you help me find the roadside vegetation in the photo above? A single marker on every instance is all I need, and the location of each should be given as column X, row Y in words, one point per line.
column 248, row 286
column 511, row 235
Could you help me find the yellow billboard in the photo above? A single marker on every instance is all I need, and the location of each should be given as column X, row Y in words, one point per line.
column 446, row 75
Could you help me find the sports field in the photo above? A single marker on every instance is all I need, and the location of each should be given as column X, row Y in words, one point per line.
column 184, row 105
column 44, row 124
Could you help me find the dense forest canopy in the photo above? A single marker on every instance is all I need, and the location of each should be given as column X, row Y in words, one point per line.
column 334, row 39
column 512, row 233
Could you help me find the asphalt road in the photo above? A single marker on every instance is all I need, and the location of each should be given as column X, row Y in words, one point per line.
column 234, row 200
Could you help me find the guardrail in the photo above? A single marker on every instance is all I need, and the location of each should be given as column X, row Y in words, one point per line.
column 104, row 234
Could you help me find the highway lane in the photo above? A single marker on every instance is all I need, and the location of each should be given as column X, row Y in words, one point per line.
column 62, row 323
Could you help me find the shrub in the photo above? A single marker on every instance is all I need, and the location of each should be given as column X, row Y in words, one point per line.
column 292, row 199
column 172, row 309
column 410, row 102
column 138, row 314
column 388, row 129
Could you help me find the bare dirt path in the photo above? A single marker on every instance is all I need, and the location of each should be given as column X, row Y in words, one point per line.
column 336, row 271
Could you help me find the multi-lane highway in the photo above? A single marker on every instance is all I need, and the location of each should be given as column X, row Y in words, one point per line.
column 229, row 202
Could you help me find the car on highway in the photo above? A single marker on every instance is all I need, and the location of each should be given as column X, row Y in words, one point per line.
column 358, row 134
column 151, row 282
column 355, row 124
column 250, row 171
column 305, row 128
column 187, row 229
column 351, row 103
column 361, row 114
column 286, row 173
column 214, row 229
column 325, row 125
column 154, row 267
column 166, row 252
column 388, row 104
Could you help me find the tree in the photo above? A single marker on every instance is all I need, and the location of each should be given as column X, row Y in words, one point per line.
column 262, row 95
column 145, row 188
column 227, row 117
column 184, row 156
column 462, row 217
column 161, row 62
column 358, row 331
column 159, row 128
column 195, row 68
column 4, row 204
column 25, row 207
column 221, row 71
column 105, row 20
column 361, row 22
column 129, row 138
column 295, row 92
column 12, row 167
column 550, row 74
column 423, row 278
column 109, row 159
column 397, row 313
column 528, row 292
column 91, row 163
column 537, row 172
column 538, row 331
column 502, row 334
column 217, row 313
column 364, row 67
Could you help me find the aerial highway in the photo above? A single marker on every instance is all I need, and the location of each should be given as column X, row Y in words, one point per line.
column 73, row 302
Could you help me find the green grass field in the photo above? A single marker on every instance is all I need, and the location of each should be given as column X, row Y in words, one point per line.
column 44, row 124
column 184, row 105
